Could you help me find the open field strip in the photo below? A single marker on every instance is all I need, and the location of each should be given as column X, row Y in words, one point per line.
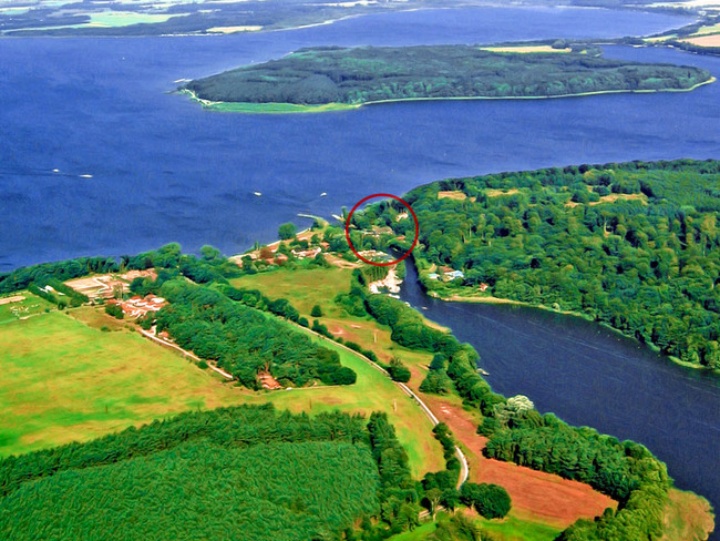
column 525, row 49
column 712, row 40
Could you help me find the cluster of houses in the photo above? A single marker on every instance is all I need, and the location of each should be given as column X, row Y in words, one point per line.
column 446, row 274
column 137, row 306
column 375, row 255
column 108, row 286
column 270, row 254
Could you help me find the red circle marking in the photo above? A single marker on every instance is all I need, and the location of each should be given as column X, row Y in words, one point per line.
column 406, row 205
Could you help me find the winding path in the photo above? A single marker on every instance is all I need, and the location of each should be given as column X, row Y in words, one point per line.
column 464, row 468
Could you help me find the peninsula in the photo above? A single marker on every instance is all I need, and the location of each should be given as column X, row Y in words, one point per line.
column 332, row 78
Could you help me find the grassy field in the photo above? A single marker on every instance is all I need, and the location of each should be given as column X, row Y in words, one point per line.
column 30, row 306
column 514, row 529
column 65, row 379
column 418, row 534
column 508, row 529
column 373, row 392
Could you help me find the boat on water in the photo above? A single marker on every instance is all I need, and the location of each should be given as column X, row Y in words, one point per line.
column 483, row 372
column 257, row 193
column 323, row 194
column 86, row 176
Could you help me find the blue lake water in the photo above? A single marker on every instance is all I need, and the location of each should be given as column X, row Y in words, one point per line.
column 164, row 170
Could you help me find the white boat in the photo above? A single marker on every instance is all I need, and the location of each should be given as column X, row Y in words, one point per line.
column 257, row 193
column 86, row 176
column 56, row 170
column 323, row 194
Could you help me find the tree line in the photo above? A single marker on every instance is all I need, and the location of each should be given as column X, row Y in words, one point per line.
column 243, row 341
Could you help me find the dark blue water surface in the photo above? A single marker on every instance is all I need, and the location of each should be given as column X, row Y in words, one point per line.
column 165, row 170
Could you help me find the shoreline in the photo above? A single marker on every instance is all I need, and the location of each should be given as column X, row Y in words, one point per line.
column 475, row 299
column 292, row 108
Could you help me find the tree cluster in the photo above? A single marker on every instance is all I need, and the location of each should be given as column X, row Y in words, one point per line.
column 633, row 245
column 242, row 340
column 491, row 501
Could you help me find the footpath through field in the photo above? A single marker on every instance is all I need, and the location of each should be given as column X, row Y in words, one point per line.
column 464, row 467
column 151, row 336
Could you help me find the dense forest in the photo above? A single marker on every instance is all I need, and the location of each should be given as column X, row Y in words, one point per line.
column 371, row 74
column 235, row 472
column 635, row 245
column 228, row 473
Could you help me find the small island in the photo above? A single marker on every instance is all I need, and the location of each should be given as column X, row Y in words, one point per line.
column 334, row 78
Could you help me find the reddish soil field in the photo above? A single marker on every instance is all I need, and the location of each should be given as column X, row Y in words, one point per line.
column 536, row 496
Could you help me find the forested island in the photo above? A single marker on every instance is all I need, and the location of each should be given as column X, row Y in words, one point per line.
column 635, row 246
column 350, row 77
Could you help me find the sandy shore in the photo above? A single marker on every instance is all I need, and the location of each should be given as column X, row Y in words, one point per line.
column 391, row 282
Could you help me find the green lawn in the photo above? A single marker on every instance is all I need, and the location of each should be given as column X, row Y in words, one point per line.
column 514, row 529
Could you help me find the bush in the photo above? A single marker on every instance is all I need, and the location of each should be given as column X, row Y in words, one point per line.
column 316, row 311
column 439, row 362
column 491, row 501
column 436, row 382
column 398, row 371
column 115, row 310
column 287, row 231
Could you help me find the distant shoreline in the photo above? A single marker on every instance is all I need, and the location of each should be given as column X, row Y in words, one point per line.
column 292, row 108
column 477, row 299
